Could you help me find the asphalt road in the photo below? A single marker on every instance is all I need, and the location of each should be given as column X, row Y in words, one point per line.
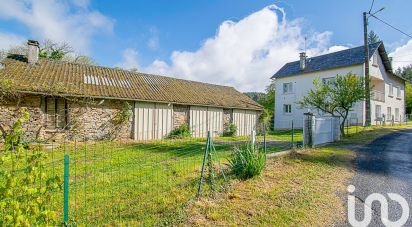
column 384, row 166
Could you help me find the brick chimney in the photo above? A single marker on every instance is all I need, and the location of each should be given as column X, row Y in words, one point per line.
column 33, row 53
column 302, row 57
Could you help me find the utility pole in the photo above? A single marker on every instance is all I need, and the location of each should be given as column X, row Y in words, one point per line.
column 367, row 87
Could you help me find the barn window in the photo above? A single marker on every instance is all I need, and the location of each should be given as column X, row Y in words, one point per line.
column 56, row 112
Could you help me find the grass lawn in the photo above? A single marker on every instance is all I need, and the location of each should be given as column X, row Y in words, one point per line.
column 156, row 183
column 303, row 189
column 129, row 184
column 279, row 135
column 298, row 190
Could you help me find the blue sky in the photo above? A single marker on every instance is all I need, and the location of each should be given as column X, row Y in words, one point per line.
column 190, row 39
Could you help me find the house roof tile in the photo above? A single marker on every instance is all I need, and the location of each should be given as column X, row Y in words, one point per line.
column 353, row 56
column 73, row 79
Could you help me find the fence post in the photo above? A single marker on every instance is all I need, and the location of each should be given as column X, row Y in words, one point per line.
column 253, row 137
column 293, row 133
column 66, row 190
column 205, row 155
column 264, row 138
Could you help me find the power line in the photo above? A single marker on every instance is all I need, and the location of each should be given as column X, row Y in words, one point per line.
column 397, row 29
column 373, row 2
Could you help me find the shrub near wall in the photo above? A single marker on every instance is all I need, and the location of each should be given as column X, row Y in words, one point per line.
column 229, row 129
column 247, row 161
column 182, row 131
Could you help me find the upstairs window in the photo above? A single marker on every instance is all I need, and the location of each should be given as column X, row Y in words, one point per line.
column 398, row 92
column 56, row 112
column 391, row 90
column 287, row 88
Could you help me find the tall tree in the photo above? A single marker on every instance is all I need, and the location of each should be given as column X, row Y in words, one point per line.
column 406, row 72
column 336, row 97
column 267, row 100
column 373, row 37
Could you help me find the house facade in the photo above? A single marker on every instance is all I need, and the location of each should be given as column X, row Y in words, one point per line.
column 295, row 79
column 74, row 101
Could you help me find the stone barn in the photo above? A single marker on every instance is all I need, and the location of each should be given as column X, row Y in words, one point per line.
column 69, row 100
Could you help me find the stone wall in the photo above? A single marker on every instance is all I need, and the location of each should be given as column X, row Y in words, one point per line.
column 95, row 122
column 180, row 115
column 10, row 112
column 85, row 121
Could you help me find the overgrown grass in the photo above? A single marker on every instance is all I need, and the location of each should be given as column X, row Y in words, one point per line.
column 299, row 190
column 247, row 161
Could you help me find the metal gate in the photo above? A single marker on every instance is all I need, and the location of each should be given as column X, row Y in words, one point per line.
column 320, row 130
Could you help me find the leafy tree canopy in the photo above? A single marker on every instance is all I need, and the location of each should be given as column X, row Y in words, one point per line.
column 336, row 97
column 406, row 72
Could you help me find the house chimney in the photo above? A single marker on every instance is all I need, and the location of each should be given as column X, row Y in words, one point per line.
column 33, row 53
column 302, row 60
column 390, row 60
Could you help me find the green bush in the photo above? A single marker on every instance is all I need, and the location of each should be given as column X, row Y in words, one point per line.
column 247, row 162
column 229, row 129
column 23, row 201
column 182, row 131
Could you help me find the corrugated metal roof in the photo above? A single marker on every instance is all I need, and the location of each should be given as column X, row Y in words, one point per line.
column 96, row 81
column 353, row 56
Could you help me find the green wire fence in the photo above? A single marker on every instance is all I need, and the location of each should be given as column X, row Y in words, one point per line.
column 136, row 183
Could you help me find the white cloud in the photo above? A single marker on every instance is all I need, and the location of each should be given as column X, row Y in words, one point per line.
column 71, row 22
column 8, row 40
column 402, row 56
column 153, row 42
column 130, row 59
column 245, row 54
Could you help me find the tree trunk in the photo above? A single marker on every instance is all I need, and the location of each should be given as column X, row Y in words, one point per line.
column 342, row 125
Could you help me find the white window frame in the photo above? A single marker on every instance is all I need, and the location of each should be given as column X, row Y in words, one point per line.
column 390, row 90
column 389, row 113
column 378, row 114
column 396, row 114
column 288, row 88
column 287, row 108
column 398, row 92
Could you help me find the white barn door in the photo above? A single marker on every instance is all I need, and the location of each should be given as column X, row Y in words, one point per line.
column 204, row 119
column 215, row 121
column 152, row 120
column 198, row 121
column 245, row 121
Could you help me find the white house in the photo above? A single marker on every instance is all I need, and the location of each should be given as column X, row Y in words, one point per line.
column 294, row 80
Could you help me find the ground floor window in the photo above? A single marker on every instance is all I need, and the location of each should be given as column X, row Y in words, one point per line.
column 56, row 112
column 378, row 111
column 287, row 108
column 397, row 114
column 389, row 114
